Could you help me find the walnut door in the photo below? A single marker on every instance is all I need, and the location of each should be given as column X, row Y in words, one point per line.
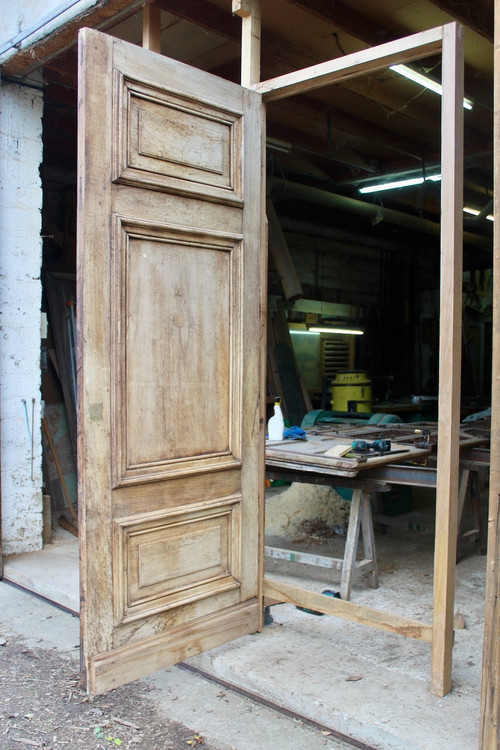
column 170, row 316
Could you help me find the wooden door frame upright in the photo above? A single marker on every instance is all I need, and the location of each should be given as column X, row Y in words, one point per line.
column 489, row 727
column 447, row 40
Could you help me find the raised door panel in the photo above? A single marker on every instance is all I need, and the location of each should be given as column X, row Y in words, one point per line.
column 163, row 422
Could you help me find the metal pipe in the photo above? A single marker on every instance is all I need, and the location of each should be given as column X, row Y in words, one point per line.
column 279, row 189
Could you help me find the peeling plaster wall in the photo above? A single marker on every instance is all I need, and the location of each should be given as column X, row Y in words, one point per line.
column 20, row 300
column 25, row 22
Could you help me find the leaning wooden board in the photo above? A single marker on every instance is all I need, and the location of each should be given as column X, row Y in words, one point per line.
column 310, row 455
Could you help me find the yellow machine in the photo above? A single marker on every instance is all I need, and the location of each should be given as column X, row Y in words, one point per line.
column 351, row 391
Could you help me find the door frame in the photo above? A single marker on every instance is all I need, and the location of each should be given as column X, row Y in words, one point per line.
column 448, row 41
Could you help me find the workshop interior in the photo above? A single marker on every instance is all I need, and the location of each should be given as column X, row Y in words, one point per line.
column 353, row 212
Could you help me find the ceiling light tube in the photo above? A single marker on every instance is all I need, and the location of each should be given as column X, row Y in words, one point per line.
column 345, row 331
column 476, row 212
column 398, row 184
column 428, row 83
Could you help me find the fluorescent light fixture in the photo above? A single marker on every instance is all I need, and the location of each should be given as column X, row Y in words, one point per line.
column 398, row 184
column 345, row 331
column 295, row 332
column 428, row 83
column 476, row 212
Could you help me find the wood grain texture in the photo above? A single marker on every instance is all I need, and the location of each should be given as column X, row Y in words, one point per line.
column 450, row 343
column 286, row 592
column 170, row 328
column 125, row 664
column 489, row 726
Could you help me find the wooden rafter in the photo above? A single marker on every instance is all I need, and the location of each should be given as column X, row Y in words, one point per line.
column 472, row 15
column 350, row 21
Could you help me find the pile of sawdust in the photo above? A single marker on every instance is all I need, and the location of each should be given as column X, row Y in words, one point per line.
column 287, row 510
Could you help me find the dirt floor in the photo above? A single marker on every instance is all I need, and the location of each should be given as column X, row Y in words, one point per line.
column 42, row 705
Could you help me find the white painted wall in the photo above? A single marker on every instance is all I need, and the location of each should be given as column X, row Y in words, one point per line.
column 28, row 21
column 20, row 317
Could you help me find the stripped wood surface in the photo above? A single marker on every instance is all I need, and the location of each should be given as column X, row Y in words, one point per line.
column 251, row 25
column 413, row 47
column 151, row 28
column 489, row 725
column 171, row 308
column 450, row 347
column 278, row 590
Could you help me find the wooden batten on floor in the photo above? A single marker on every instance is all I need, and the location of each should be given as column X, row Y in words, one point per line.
column 280, row 591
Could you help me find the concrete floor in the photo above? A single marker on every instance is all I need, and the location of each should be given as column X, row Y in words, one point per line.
column 369, row 685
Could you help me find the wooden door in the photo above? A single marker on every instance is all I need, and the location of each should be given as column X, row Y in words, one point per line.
column 170, row 321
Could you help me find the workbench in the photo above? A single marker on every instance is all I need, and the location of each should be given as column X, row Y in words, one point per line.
column 310, row 461
column 305, row 461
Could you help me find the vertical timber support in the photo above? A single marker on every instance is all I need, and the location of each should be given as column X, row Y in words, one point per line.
column 489, row 734
column 450, row 358
column 250, row 12
column 151, row 28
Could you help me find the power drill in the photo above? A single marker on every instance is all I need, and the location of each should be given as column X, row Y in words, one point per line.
column 381, row 446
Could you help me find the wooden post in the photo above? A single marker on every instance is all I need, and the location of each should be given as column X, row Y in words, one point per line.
column 489, row 734
column 450, row 358
column 151, row 28
column 250, row 12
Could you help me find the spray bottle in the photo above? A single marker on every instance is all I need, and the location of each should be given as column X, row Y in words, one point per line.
column 276, row 424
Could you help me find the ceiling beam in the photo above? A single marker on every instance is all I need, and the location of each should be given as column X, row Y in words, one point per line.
column 279, row 57
column 204, row 14
column 276, row 52
column 350, row 21
column 471, row 15
column 346, row 19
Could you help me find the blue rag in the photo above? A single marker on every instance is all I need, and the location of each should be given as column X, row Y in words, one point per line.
column 294, row 433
